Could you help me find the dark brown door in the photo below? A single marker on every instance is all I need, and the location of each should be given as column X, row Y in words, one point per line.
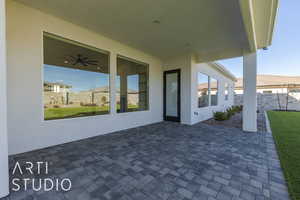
column 172, row 95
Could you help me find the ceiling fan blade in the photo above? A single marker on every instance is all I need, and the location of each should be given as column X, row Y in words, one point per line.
column 73, row 57
column 91, row 63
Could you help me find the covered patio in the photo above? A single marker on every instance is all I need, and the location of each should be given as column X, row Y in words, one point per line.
column 159, row 161
column 163, row 161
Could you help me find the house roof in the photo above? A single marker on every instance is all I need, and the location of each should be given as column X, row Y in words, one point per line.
column 60, row 84
column 272, row 81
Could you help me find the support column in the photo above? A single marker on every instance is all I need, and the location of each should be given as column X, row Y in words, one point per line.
column 249, row 97
column 4, row 186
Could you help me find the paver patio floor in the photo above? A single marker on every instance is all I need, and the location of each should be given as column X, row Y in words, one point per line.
column 167, row 161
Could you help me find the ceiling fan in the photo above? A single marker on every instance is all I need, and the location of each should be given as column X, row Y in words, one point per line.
column 81, row 60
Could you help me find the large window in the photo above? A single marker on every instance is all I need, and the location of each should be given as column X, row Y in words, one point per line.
column 203, row 90
column 76, row 79
column 214, row 91
column 226, row 91
column 132, row 85
column 208, row 88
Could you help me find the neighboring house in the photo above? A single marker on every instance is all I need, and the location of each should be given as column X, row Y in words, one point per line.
column 272, row 84
column 166, row 48
column 56, row 87
column 273, row 92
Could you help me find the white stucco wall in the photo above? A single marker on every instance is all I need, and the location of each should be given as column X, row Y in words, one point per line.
column 200, row 114
column 190, row 113
column 25, row 28
column 4, row 190
column 26, row 127
column 184, row 64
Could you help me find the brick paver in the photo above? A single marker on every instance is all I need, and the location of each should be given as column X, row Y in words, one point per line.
column 164, row 161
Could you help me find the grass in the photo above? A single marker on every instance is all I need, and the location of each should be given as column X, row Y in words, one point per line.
column 286, row 132
column 73, row 112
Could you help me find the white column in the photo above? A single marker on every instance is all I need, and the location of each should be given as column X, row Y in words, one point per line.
column 113, row 89
column 249, row 97
column 4, row 190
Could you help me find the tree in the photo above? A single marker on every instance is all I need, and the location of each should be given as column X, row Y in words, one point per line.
column 103, row 100
column 287, row 96
column 278, row 100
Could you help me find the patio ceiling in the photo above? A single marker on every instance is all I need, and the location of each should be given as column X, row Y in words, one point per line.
column 211, row 29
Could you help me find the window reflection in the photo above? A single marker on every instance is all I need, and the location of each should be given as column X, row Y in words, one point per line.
column 76, row 79
column 132, row 85
column 214, row 91
column 203, row 90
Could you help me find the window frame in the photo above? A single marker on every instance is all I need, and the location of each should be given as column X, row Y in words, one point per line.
column 217, row 95
column 83, row 45
column 226, row 96
column 120, row 56
column 208, row 90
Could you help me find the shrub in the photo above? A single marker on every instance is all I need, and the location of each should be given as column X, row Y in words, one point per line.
column 237, row 108
column 221, row 116
column 240, row 108
column 230, row 112
column 56, row 106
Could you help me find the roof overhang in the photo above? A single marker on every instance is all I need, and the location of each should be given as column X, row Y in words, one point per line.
column 220, row 68
column 209, row 29
column 259, row 20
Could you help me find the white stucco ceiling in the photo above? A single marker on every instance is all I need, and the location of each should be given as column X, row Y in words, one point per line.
column 212, row 28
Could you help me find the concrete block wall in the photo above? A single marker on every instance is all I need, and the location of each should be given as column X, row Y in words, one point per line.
column 270, row 101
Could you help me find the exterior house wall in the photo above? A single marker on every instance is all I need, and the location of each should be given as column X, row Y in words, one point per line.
column 4, row 179
column 184, row 64
column 200, row 114
column 25, row 28
column 25, row 84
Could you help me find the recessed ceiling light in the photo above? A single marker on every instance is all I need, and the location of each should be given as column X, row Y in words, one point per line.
column 156, row 21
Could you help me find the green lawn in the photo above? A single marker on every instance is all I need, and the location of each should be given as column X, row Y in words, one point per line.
column 286, row 131
column 72, row 112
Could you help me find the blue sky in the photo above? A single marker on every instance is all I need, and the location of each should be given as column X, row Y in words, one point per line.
column 82, row 80
column 283, row 57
